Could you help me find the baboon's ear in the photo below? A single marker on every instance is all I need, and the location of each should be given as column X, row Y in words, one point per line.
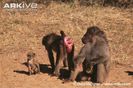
column 34, row 54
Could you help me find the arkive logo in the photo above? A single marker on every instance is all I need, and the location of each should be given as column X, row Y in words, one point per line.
column 21, row 5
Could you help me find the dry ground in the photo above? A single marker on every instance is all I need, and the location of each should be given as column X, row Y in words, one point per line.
column 22, row 31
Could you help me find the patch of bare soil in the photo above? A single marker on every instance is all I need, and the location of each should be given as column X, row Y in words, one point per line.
column 14, row 74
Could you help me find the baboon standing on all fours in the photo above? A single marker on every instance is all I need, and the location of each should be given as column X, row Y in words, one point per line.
column 33, row 65
column 63, row 47
column 94, row 53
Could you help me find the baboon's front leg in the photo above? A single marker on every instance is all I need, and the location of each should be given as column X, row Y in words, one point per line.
column 51, row 59
column 59, row 57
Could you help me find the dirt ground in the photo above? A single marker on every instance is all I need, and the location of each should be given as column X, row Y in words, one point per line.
column 14, row 74
column 22, row 31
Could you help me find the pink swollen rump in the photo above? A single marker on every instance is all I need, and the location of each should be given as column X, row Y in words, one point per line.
column 68, row 43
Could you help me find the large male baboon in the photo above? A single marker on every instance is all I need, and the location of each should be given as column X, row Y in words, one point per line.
column 94, row 54
column 64, row 48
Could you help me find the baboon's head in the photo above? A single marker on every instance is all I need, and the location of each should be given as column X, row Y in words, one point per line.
column 49, row 39
column 30, row 55
column 91, row 33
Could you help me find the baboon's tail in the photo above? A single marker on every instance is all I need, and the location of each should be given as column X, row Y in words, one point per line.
column 62, row 34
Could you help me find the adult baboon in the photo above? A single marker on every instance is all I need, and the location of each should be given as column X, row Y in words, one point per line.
column 33, row 65
column 64, row 48
column 94, row 54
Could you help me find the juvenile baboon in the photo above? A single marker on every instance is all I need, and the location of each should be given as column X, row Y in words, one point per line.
column 64, row 49
column 33, row 65
column 93, row 55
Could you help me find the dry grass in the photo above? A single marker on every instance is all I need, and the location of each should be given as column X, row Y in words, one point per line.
column 23, row 30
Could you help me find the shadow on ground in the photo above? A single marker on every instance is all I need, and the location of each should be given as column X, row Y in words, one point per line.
column 46, row 69
column 21, row 72
column 129, row 73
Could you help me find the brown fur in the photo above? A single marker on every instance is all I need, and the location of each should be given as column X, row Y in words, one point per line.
column 54, row 42
column 93, row 55
column 33, row 65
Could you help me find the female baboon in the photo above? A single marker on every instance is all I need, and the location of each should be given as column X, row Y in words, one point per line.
column 64, row 48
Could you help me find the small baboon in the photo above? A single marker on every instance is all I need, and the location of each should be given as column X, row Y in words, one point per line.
column 33, row 65
column 94, row 55
column 64, row 49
